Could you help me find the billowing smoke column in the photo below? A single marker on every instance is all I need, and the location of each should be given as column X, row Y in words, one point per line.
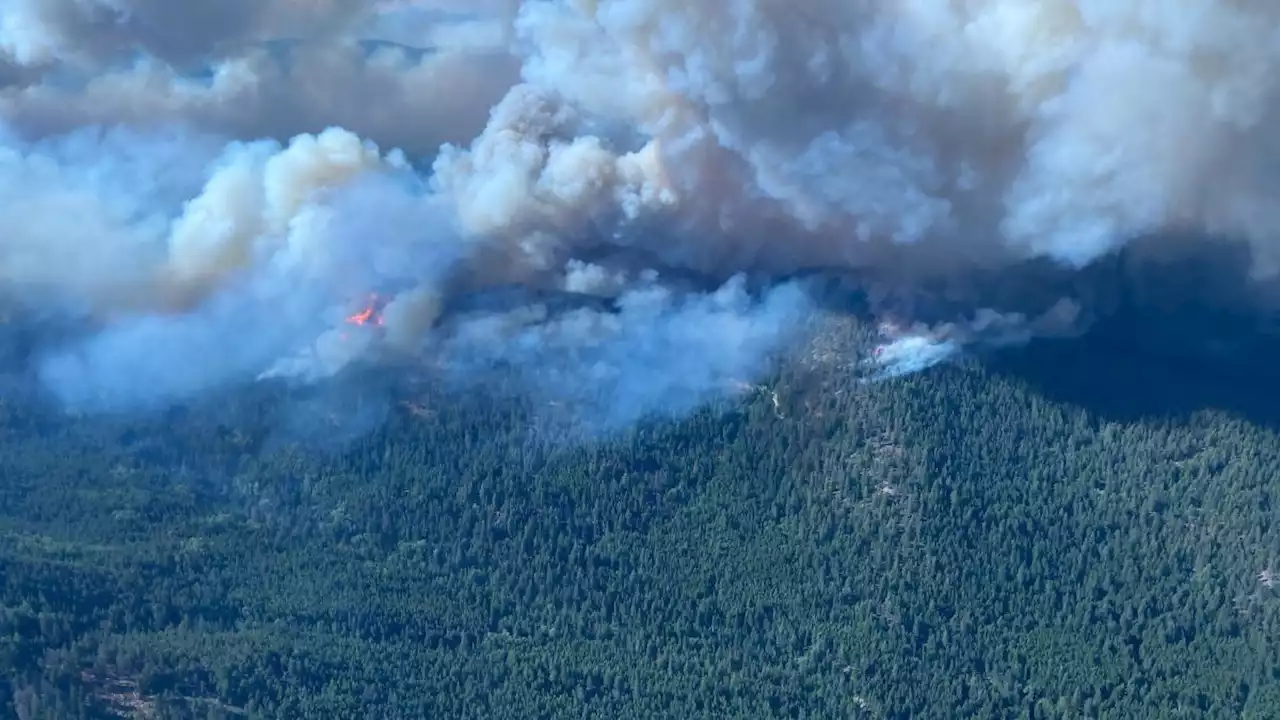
column 606, row 196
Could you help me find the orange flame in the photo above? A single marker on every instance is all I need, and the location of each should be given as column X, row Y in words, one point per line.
column 369, row 315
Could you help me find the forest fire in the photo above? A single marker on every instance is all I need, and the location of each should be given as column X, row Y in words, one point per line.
column 370, row 315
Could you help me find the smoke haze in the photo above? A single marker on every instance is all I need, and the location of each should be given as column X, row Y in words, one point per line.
column 622, row 202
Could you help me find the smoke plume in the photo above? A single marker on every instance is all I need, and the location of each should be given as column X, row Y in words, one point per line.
column 621, row 203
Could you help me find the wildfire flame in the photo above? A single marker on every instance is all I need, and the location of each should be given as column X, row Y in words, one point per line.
column 370, row 315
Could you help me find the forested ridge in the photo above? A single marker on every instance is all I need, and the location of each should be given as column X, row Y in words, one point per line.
column 964, row 542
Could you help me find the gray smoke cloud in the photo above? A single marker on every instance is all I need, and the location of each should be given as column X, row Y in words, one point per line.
column 281, row 189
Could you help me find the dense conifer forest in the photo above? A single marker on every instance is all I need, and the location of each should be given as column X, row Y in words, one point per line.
column 977, row 541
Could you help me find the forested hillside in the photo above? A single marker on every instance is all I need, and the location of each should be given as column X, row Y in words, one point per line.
column 978, row 541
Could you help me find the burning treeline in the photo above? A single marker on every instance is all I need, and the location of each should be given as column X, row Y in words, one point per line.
column 228, row 201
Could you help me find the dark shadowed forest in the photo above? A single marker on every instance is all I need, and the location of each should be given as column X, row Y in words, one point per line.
column 1060, row 531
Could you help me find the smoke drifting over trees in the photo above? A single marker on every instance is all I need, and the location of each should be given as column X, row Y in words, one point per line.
column 624, row 201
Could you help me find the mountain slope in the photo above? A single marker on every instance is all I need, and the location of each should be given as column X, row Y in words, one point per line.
column 975, row 541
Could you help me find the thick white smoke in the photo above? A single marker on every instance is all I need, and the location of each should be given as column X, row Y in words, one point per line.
column 218, row 188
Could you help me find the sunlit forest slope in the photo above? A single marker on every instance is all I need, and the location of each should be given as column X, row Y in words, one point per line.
column 1038, row 535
